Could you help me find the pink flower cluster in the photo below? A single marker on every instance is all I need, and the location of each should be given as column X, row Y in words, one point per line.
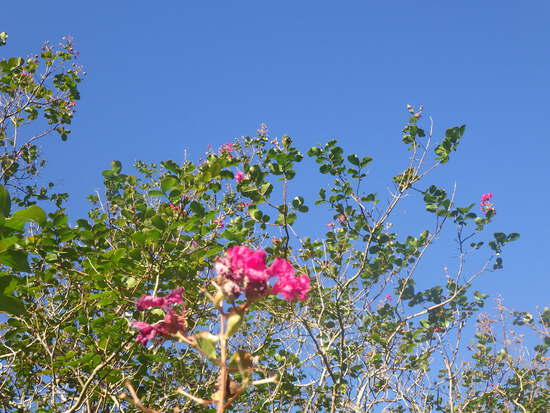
column 240, row 176
column 227, row 148
column 244, row 270
column 486, row 205
column 170, row 325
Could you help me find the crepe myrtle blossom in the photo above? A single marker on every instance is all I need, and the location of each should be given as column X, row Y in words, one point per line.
column 244, row 270
column 486, row 205
column 227, row 148
column 240, row 176
column 148, row 301
column 289, row 286
column 172, row 323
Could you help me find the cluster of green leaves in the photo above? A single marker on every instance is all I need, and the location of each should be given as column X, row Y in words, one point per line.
column 42, row 90
column 13, row 254
column 500, row 379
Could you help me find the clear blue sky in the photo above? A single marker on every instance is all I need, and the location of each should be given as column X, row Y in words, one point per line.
column 181, row 75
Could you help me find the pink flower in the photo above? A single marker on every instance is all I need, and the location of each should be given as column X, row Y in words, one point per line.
column 148, row 301
column 240, row 177
column 146, row 331
column 292, row 288
column 389, row 298
column 244, row 270
column 330, row 225
column 280, row 268
column 169, row 326
column 341, row 218
column 249, row 263
column 487, row 206
column 226, row 148
column 289, row 286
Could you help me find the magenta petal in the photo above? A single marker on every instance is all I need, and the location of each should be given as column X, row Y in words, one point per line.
column 292, row 288
column 140, row 325
column 281, row 268
column 148, row 301
column 146, row 331
column 174, row 297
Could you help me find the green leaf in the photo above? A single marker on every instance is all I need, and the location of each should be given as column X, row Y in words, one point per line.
column 116, row 166
column 234, row 321
column 11, row 305
column 197, row 208
column 156, row 193
column 158, row 222
column 266, row 189
column 15, row 259
column 255, row 214
column 168, row 183
column 5, row 202
column 5, row 243
column 353, row 159
column 206, row 344
column 33, row 213
column 8, row 283
column 131, row 283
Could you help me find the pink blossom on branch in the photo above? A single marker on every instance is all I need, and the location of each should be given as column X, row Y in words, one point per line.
column 291, row 287
column 248, row 263
column 169, row 326
column 227, row 148
column 240, row 177
column 487, row 206
column 146, row 331
column 244, row 270
column 148, row 301
column 280, row 268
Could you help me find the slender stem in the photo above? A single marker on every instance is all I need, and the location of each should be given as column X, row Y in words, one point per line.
column 222, row 379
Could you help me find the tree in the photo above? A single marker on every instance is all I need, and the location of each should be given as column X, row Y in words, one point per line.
column 164, row 297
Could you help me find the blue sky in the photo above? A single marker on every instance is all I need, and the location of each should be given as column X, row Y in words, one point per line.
column 182, row 75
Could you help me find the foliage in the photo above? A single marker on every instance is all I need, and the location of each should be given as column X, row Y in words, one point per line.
column 371, row 336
